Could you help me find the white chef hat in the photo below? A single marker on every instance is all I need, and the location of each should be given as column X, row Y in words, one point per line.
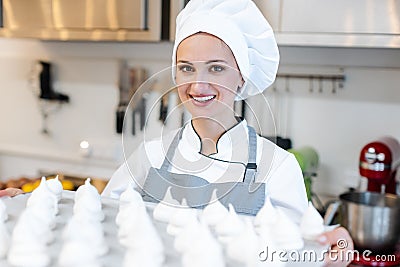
column 242, row 26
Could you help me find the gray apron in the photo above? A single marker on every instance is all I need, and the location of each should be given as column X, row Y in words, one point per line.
column 246, row 197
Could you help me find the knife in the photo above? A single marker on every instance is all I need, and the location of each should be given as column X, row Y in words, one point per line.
column 123, row 87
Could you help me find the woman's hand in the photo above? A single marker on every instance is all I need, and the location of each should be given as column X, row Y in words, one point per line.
column 10, row 192
column 341, row 250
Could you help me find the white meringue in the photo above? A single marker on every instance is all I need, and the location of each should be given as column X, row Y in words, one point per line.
column 77, row 254
column 148, row 239
column 41, row 195
column 265, row 235
column 3, row 212
column 187, row 236
column 30, row 228
column 87, row 189
column 131, row 223
column 142, row 257
column 312, row 223
column 173, row 230
column 55, row 187
column 5, row 240
column 208, row 258
column 32, row 255
column 130, row 195
column 47, row 202
column 141, row 234
column 128, row 211
column 89, row 232
column 244, row 247
column 230, row 226
column 199, row 247
column 43, row 214
column 268, row 249
column 286, row 233
column 204, row 251
column 29, row 238
column 266, row 215
column 182, row 216
column 89, row 206
column 214, row 212
column 165, row 208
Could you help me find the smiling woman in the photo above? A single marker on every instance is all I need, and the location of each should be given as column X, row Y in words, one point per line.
column 224, row 51
column 217, row 59
column 208, row 80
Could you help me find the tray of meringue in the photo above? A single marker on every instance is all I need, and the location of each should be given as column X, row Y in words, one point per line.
column 54, row 227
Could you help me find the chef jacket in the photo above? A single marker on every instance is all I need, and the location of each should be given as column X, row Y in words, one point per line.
column 277, row 168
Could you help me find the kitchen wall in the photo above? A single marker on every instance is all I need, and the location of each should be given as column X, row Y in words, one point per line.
column 337, row 124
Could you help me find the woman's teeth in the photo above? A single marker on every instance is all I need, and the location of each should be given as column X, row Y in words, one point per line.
column 203, row 98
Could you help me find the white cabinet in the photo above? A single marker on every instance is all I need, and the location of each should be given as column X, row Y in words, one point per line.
column 341, row 16
column 338, row 23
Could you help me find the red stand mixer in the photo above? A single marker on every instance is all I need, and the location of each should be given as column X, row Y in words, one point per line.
column 380, row 165
column 379, row 162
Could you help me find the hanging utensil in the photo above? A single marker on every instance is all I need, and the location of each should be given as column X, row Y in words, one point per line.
column 320, row 84
column 120, row 114
column 333, row 85
column 138, row 104
column 46, row 84
column 123, row 87
column 311, row 89
column 279, row 110
column 50, row 101
column 283, row 140
column 140, row 112
column 164, row 108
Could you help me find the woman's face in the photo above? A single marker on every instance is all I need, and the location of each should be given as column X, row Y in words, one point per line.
column 207, row 75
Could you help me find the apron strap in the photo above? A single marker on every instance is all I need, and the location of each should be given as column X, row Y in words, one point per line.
column 171, row 150
column 252, row 148
column 251, row 167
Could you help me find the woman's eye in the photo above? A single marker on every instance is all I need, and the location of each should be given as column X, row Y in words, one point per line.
column 186, row 68
column 217, row 68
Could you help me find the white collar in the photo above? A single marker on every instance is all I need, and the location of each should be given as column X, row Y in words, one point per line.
column 225, row 144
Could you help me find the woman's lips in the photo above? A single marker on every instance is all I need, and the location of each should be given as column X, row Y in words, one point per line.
column 202, row 99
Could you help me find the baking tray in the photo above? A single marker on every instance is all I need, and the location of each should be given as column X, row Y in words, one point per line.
column 115, row 256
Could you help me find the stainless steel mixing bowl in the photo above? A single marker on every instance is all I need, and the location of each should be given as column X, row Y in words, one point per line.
column 372, row 219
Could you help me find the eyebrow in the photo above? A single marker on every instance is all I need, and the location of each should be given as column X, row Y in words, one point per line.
column 184, row 61
column 207, row 62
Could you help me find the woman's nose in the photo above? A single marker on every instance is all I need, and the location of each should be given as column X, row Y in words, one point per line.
column 200, row 77
column 199, row 86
